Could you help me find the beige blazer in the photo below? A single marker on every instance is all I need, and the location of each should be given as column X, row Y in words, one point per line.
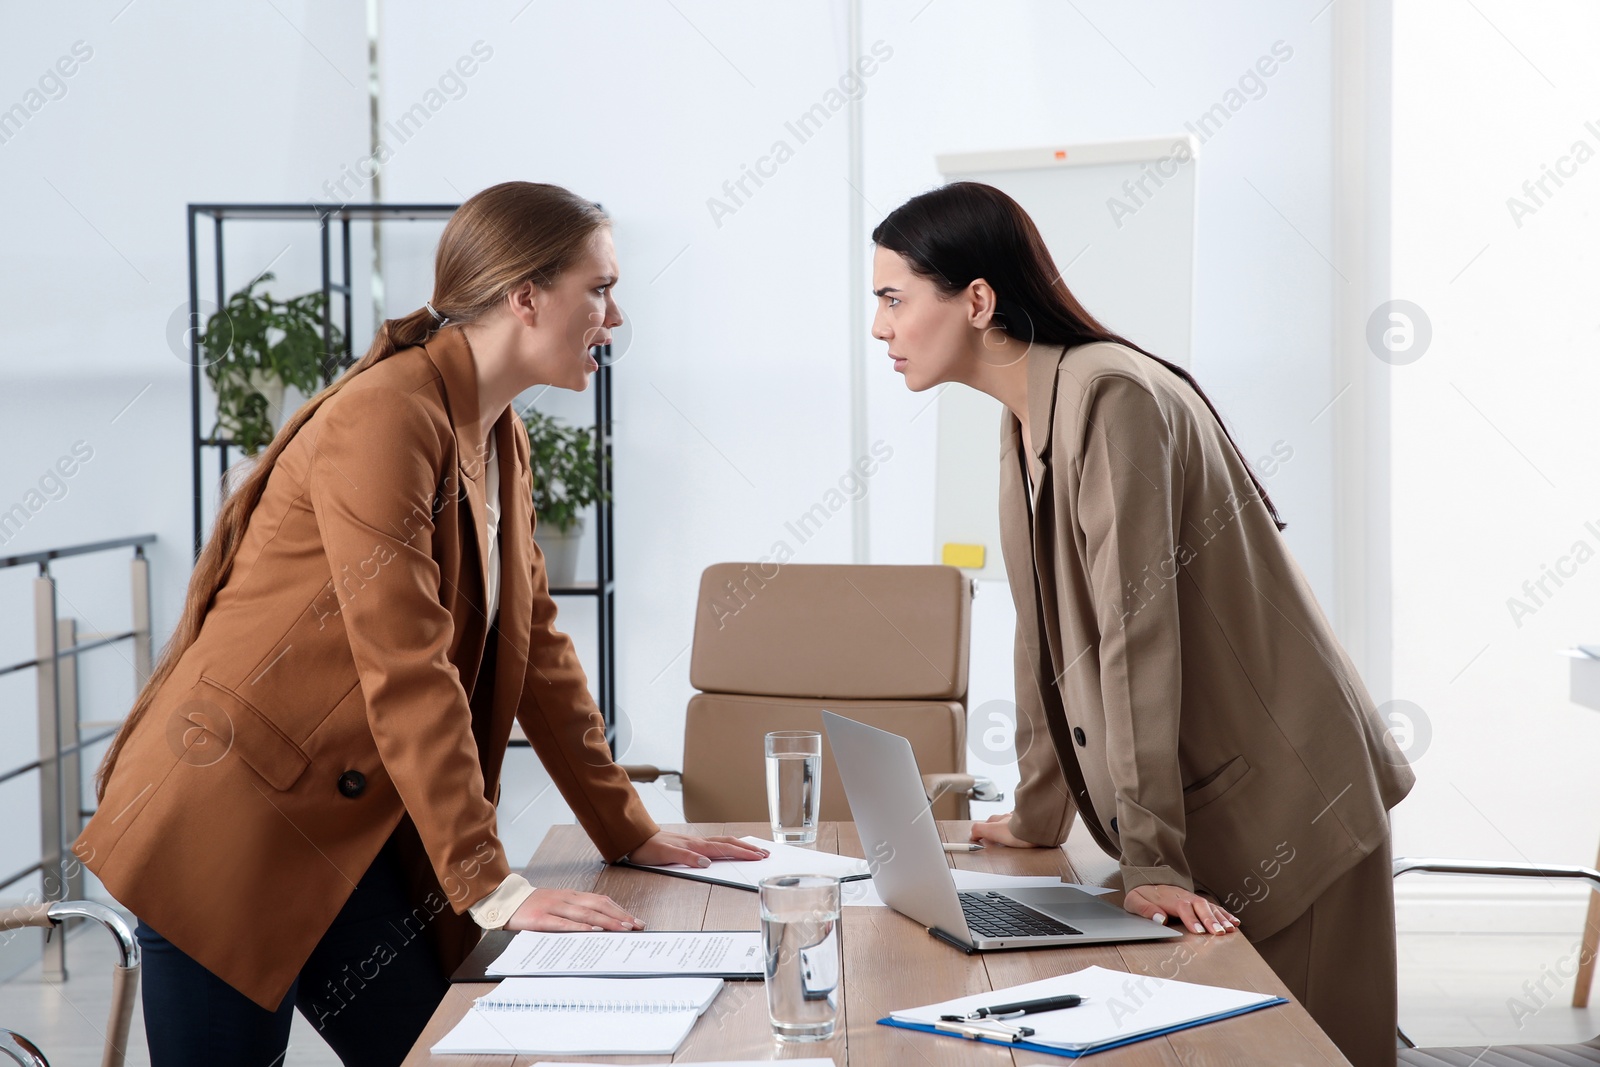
column 343, row 687
column 1177, row 682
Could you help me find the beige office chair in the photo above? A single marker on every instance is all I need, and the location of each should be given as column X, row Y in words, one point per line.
column 17, row 1049
column 774, row 645
column 1579, row 1055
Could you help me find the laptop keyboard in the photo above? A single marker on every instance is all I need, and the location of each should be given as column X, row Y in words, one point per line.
column 994, row 915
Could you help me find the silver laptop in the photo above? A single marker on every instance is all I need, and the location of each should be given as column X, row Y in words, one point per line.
column 912, row 875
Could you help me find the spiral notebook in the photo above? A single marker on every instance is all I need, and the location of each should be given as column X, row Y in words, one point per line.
column 588, row 1016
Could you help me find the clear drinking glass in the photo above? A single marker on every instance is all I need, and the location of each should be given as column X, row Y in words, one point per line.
column 794, row 784
column 800, row 940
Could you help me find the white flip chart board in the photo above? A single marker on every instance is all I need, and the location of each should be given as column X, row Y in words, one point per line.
column 1119, row 219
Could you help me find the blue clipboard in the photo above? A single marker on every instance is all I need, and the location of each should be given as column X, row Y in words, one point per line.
column 1072, row 1055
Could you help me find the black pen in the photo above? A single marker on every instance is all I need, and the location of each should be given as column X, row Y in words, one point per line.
column 1021, row 1007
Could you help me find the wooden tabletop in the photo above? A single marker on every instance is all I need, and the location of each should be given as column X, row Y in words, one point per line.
column 891, row 963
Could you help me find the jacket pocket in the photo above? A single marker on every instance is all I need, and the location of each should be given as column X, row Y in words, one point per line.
column 257, row 739
column 1208, row 788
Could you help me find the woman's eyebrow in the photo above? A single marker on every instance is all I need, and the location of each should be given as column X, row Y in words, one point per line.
column 885, row 290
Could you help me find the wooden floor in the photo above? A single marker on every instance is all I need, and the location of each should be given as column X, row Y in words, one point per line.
column 1454, row 989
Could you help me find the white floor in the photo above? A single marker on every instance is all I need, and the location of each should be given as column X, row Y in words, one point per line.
column 1454, row 989
column 1484, row 988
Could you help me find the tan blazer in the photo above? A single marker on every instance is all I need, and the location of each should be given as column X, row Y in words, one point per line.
column 1177, row 682
column 326, row 701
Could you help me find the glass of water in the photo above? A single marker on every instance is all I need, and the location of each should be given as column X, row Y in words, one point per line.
column 794, row 784
column 800, row 942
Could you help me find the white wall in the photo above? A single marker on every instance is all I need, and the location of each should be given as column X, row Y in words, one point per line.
column 1494, row 430
column 732, row 401
column 174, row 103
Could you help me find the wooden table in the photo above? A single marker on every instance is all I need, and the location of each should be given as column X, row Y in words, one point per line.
column 890, row 962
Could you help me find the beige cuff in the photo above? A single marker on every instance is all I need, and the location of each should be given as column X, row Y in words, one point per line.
column 496, row 909
column 1132, row 877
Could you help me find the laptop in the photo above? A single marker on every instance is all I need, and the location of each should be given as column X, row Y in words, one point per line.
column 912, row 875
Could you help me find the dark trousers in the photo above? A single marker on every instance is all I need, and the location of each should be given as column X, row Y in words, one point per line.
column 192, row 1017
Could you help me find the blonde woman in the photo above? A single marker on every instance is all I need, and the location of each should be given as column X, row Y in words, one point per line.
column 1177, row 684
column 300, row 808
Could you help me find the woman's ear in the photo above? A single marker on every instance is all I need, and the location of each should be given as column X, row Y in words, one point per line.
column 981, row 302
column 523, row 302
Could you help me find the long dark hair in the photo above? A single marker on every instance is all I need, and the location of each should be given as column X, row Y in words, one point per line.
column 967, row 230
column 499, row 238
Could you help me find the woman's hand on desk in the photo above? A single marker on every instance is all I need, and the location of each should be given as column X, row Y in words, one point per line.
column 996, row 830
column 691, row 851
column 1195, row 912
column 562, row 910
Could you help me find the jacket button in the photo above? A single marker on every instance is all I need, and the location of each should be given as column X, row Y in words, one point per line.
column 352, row 783
column 1078, row 736
column 1113, row 824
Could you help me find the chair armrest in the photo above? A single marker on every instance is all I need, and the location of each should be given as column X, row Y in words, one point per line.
column 649, row 772
column 984, row 789
column 1491, row 869
column 937, row 785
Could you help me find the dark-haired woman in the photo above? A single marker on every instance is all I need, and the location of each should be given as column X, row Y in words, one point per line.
column 1178, row 685
column 300, row 807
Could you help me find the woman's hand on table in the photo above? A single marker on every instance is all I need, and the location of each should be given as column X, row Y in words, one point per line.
column 1162, row 902
column 996, row 830
column 563, row 910
column 691, row 851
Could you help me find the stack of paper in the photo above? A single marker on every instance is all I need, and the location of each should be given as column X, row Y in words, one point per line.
column 619, row 953
column 1118, row 1008
column 586, row 1016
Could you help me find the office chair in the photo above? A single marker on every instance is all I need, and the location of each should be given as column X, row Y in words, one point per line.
column 124, row 976
column 1580, row 1055
column 775, row 644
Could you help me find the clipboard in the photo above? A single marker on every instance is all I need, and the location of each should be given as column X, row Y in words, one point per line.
column 1073, row 1054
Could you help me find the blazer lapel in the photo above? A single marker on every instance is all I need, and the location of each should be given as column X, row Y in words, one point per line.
column 1016, row 534
column 1043, row 363
column 450, row 353
column 452, row 356
column 515, row 617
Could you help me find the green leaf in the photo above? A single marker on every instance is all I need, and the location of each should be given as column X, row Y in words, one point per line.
column 278, row 340
column 566, row 470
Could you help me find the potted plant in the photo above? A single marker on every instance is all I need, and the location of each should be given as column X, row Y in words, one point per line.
column 566, row 480
column 255, row 347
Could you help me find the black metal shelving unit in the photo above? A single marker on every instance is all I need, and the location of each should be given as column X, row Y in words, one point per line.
column 327, row 217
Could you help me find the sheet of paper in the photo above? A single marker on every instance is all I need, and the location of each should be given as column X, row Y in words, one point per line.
column 809, row 1061
column 782, row 859
column 864, row 894
column 1117, row 1005
column 644, row 952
